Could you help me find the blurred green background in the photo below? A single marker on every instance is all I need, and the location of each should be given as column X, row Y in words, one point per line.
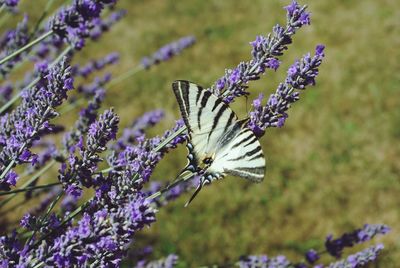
column 334, row 165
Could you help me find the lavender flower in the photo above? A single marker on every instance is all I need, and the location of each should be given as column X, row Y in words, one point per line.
column 95, row 65
column 69, row 203
column 28, row 221
column 265, row 51
column 301, row 74
column 101, row 26
column 74, row 23
column 9, row 3
column 336, row 246
column 5, row 92
column 103, row 235
column 140, row 160
column 167, row 262
column 264, row 261
column 359, row 259
column 168, row 51
column 13, row 40
column 31, row 119
column 90, row 89
column 136, row 130
column 45, row 202
column 12, row 252
column 86, row 117
column 312, row 256
column 80, row 169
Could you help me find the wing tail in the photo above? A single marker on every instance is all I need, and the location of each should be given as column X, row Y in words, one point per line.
column 199, row 187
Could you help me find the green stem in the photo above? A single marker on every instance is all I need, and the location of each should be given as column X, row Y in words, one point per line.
column 5, row 171
column 125, row 75
column 30, row 188
column 172, row 185
column 26, row 184
column 43, row 219
column 69, row 217
column 22, row 49
column 31, row 84
column 170, row 138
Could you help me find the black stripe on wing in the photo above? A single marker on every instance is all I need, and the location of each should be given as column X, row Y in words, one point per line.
column 248, row 135
column 254, row 174
column 203, row 103
column 181, row 89
column 216, row 119
column 248, row 154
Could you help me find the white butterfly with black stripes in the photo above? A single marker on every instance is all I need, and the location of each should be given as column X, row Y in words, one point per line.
column 219, row 144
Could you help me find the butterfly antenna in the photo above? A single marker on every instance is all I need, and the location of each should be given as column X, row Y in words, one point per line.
column 194, row 194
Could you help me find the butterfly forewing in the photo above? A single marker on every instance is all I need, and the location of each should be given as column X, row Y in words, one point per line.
column 206, row 116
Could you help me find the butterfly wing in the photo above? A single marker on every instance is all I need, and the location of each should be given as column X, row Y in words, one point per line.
column 239, row 153
column 205, row 115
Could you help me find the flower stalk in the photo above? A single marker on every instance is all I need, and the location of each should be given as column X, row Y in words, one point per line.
column 26, row 47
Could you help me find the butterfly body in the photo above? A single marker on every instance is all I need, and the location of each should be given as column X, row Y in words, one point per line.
column 219, row 144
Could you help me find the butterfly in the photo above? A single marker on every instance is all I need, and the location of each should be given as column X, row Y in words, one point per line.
column 219, row 144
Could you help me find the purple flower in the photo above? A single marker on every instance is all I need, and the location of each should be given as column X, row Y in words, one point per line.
column 97, row 84
column 274, row 114
column 104, row 232
column 28, row 221
column 136, row 130
column 359, row 259
column 265, row 50
column 12, row 252
column 264, row 261
column 45, row 202
column 273, row 63
column 86, row 117
column 12, row 41
column 168, row 51
column 73, row 191
column 80, row 169
column 30, row 120
column 294, row 10
column 103, row 25
column 336, row 246
column 5, row 92
column 9, row 3
column 96, row 65
column 370, row 230
column 312, row 256
column 77, row 22
column 11, row 178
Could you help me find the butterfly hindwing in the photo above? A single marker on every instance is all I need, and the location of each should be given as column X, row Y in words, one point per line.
column 241, row 156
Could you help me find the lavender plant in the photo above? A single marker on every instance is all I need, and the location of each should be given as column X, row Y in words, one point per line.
column 359, row 259
column 119, row 203
column 11, row 41
column 31, row 119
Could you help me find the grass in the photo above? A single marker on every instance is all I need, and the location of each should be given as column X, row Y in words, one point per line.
column 333, row 167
